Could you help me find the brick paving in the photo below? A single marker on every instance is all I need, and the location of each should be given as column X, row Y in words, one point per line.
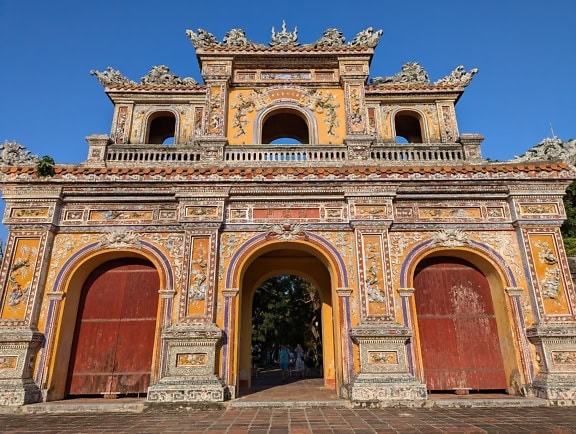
column 299, row 406
column 557, row 420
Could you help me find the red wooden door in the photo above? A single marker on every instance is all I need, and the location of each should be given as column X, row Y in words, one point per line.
column 114, row 337
column 457, row 327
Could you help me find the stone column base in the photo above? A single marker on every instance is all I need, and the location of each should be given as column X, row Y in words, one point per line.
column 558, row 389
column 188, row 390
column 556, row 355
column 387, row 391
column 19, row 392
column 188, row 373
column 18, row 349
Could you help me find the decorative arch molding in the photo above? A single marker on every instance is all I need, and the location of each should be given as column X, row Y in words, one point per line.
column 424, row 130
column 483, row 250
column 320, row 244
column 142, row 248
column 285, row 104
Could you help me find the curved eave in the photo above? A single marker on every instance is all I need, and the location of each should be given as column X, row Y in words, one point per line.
column 415, row 90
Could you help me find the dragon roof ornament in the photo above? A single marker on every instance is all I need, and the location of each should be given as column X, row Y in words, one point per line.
column 551, row 148
column 161, row 75
column 330, row 38
column 158, row 75
column 413, row 73
column 458, row 77
column 15, row 154
column 111, row 77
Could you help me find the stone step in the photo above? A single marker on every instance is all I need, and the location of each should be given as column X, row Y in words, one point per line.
column 487, row 402
column 288, row 404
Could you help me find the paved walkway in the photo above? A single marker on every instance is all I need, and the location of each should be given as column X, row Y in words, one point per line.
column 318, row 420
column 298, row 406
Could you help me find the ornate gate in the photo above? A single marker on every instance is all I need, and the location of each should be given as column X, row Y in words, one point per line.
column 114, row 337
column 457, row 327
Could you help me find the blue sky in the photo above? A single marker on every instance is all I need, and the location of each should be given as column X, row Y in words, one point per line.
column 525, row 51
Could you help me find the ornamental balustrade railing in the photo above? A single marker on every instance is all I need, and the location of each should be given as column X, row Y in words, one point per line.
column 283, row 154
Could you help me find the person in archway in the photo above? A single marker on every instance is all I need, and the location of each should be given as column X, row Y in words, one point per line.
column 284, row 360
column 299, row 360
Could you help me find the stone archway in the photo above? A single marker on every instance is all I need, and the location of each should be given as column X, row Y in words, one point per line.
column 293, row 258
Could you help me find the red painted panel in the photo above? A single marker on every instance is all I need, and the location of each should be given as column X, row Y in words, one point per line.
column 114, row 339
column 457, row 327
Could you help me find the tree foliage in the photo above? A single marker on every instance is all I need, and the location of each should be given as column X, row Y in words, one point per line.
column 286, row 310
column 568, row 228
column 45, row 166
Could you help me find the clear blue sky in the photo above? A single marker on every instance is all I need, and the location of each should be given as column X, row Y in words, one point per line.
column 525, row 51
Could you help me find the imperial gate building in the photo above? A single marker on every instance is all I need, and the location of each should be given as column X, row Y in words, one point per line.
column 135, row 271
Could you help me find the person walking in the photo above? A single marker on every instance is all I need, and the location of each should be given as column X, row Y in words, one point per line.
column 284, row 361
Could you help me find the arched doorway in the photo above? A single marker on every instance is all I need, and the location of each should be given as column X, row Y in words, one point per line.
column 298, row 260
column 115, row 329
column 457, row 329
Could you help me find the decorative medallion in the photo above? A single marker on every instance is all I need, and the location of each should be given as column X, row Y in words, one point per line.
column 287, row 231
column 120, row 239
column 451, row 238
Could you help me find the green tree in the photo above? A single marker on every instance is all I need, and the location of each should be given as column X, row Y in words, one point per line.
column 286, row 309
column 568, row 228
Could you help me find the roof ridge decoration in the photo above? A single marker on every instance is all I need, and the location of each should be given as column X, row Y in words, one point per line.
column 332, row 37
column 161, row 74
column 158, row 75
column 411, row 72
column 284, row 38
column 15, row 154
column 551, row 148
column 111, row 77
column 414, row 73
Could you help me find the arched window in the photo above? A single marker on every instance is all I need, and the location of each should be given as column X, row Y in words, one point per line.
column 287, row 126
column 161, row 128
column 408, row 127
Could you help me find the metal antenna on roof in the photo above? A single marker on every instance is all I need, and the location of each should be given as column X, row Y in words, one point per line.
column 552, row 130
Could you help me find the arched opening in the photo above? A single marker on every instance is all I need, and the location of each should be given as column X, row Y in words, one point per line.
column 283, row 265
column 113, row 344
column 458, row 331
column 408, row 127
column 287, row 124
column 161, row 128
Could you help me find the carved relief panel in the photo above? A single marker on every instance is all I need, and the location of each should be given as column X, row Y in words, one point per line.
column 122, row 124
column 550, row 274
column 375, row 278
column 355, row 109
column 448, row 126
column 19, row 281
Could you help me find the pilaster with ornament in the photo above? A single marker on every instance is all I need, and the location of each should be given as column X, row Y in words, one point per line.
column 374, row 274
column 354, row 72
column 24, row 273
column 217, row 73
column 26, row 259
column 515, row 295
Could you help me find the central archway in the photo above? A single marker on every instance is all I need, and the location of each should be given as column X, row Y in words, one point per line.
column 297, row 259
